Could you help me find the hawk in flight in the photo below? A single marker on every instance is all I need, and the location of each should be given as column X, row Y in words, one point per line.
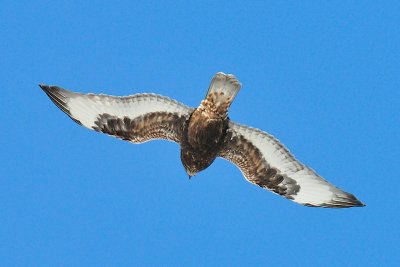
column 204, row 133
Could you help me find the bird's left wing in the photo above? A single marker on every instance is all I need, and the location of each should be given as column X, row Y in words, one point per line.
column 136, row 118
column 264, row 161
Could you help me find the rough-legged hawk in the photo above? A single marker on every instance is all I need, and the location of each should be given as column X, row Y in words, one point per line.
column 204, row 133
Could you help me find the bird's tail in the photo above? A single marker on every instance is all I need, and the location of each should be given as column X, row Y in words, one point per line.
column 222, row 90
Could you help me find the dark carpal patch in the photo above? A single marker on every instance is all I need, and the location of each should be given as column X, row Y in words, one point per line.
column 255, row 168
column 155, row 125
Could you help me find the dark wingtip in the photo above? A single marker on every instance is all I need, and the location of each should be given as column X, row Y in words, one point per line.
column 56, row 95
column 47, row 89
column 353, row 201
column 340, row 202
column 358, row 203
column 44, row 87
column 345, row 200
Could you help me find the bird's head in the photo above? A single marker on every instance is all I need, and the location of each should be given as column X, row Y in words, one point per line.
column 193, row 164
column 190, row 172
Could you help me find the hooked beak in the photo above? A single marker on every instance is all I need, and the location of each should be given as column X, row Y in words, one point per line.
column 190, row 174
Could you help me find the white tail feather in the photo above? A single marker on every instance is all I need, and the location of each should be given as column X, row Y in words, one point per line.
column 223, row 89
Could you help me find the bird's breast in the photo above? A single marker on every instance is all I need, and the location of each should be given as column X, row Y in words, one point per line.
column 206, row 135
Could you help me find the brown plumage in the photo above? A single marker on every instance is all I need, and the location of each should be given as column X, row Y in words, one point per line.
column 204, row 133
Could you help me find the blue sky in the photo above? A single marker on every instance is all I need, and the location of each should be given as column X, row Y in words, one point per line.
column 323, row 77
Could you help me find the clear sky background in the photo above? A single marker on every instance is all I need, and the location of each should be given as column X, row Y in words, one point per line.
column 323, row 77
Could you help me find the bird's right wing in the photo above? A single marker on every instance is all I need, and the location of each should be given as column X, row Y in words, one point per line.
column 264, row 161
column 136, row 118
